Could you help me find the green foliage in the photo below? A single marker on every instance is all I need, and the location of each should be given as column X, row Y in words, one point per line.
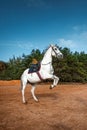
column 72, row 68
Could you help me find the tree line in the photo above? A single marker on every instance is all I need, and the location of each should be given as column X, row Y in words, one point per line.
column 72, row 68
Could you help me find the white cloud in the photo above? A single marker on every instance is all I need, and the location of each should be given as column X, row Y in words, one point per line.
column 75, row 28
column 66, row 43
column 80, row 28
column 83, row 35
column 26, row 45
column 77, row 40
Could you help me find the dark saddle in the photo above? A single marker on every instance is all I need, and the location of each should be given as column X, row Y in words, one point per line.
column 34, row 68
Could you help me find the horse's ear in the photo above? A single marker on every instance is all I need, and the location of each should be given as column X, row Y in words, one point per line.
column 51, row 45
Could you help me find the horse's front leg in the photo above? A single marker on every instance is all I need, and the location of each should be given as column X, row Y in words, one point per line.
column 55, row 81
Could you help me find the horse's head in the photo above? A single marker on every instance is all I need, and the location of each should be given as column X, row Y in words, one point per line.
column 56, row 52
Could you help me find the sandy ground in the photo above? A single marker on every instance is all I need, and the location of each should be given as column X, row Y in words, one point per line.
column 62, row 108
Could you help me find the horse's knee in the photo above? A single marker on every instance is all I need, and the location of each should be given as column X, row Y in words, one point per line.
column 58, row 78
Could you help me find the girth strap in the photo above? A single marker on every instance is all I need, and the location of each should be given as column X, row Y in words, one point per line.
column 40, row 77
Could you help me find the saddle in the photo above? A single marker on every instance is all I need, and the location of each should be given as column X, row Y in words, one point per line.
column 34, row 68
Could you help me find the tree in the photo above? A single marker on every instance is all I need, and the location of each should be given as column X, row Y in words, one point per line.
column 72, row 68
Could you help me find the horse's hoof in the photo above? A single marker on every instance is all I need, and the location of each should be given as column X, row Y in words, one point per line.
column 25, row 102
column 50, row 87
column 37, row 100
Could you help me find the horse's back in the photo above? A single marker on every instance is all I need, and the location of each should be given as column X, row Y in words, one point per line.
column 24, row 74
column 31, row 77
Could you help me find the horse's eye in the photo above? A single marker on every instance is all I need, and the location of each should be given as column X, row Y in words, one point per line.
column 55, row 48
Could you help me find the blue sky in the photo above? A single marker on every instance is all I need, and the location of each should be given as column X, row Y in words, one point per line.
column 32, row 24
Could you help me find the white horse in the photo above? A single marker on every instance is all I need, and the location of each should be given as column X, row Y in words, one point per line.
column 46, row 72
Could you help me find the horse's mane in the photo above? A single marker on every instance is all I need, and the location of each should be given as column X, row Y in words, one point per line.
column 45, row 50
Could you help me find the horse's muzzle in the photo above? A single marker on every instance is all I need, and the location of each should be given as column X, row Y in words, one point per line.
column 60, row 56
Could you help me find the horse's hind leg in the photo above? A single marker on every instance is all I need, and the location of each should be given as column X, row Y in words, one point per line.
column 32, row 92
column 23, row 86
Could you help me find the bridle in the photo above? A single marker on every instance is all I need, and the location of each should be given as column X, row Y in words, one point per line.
column 54, row 51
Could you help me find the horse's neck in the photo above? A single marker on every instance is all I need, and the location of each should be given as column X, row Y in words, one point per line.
column 47, row 57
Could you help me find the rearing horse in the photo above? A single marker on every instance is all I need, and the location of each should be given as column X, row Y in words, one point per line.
column 46, row 72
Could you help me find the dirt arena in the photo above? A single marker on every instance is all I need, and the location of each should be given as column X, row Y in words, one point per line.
column 62, row 108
